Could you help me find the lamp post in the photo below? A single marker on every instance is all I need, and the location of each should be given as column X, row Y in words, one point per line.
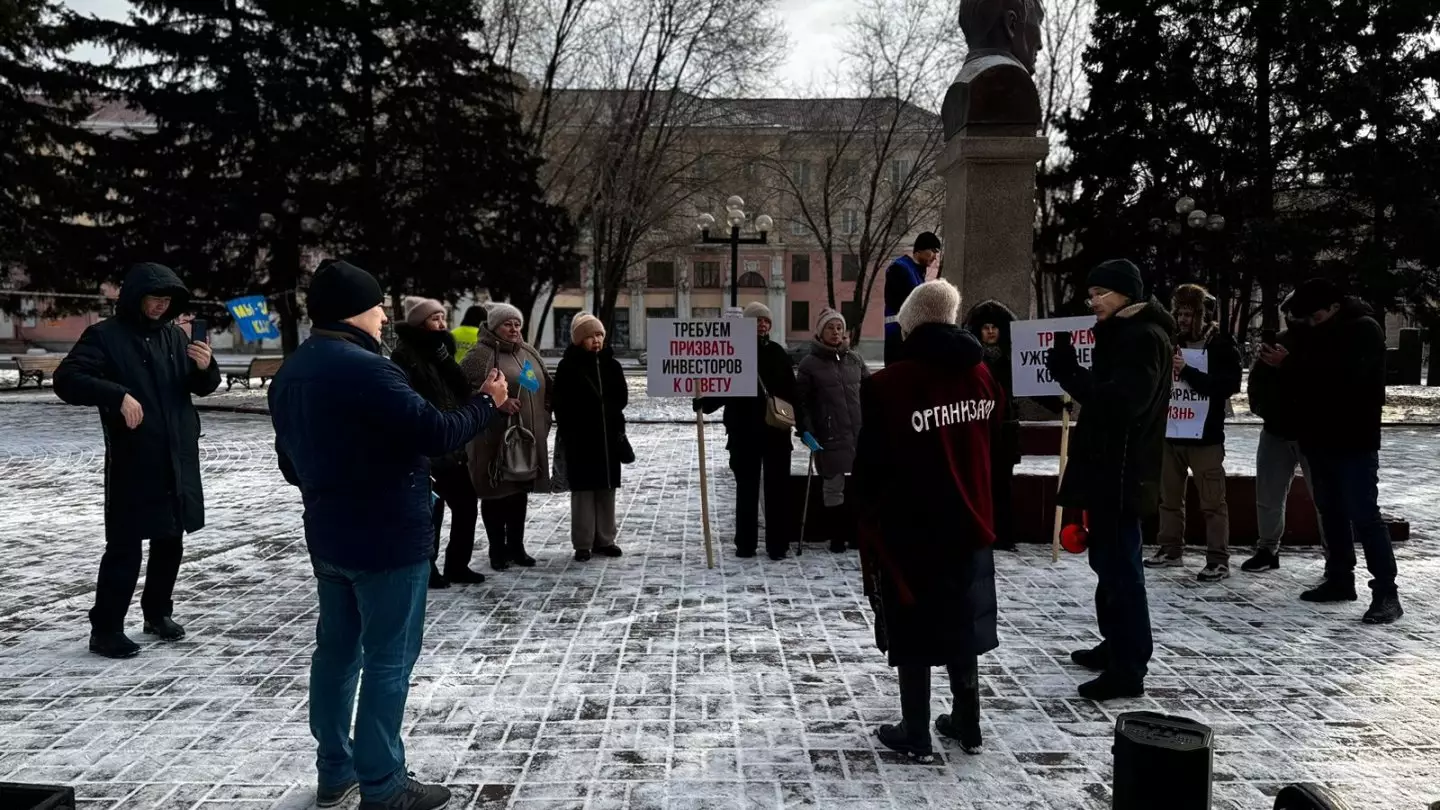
column 1188, row 215
column 734, row 216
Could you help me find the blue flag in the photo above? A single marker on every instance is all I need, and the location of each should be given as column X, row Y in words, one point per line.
column 529, row 380
column 252, row 318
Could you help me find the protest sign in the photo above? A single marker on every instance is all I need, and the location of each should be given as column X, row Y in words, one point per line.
column 701, row 358
column 252, row 318
column 1188, row 407
column 1030, row 340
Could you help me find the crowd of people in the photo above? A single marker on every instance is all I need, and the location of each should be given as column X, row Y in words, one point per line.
column 467, row 415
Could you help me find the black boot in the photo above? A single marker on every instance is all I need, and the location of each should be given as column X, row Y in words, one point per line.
column 1384, row 609
column 165, row 628
column 1112, row 687
column 437, row 582
column 898, row 738
column 464, row 576
column 113, row 645
column 1096, row 659
column 1331, row 590
column 834, row 522
column 1264, row 560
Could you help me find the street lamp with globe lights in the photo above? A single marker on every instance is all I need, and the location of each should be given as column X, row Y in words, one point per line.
column 735, row 217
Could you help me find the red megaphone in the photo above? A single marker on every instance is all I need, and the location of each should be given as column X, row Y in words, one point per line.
column 1075, row 538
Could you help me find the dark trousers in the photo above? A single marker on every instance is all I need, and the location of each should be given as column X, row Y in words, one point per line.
column 505, row 525
column 371, row 622
column 964, row 687
column 1121, row 607
column 1346, row 489
column 120, row 570
column 453, row 489
column 1002, row 478
column 750, row 466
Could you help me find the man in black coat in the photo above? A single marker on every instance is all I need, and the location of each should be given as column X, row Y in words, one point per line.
column 1114, row 468
column 1337, row 369
column 756, row 448
column 140, row 370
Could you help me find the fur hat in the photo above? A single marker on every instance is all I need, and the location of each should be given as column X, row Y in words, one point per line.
column 755, row 309
column 418, row 310
column 826, row 316
column 584, row 325
column 932, row 302
column 1192, row 297
column 1119, row 276
column 498, row 312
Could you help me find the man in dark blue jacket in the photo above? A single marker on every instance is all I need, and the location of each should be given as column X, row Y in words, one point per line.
column 901, row 278
column 356, row 439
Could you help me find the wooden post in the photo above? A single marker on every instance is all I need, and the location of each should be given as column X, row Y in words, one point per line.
column 1064, row 453
column 704, row 491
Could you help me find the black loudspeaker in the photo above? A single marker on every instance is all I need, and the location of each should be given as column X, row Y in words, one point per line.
column 16, row 796
column 1309, row 797
column 1162, row 761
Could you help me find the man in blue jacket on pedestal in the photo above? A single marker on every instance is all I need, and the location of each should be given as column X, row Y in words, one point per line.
column 901, row 278
column 356, row 439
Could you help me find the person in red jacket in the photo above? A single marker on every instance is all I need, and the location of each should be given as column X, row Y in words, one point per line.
column 923, row 470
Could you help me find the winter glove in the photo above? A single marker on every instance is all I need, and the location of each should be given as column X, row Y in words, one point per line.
column 1062, row 355
column 442, row 352
column 698, row 405
column 809, row 441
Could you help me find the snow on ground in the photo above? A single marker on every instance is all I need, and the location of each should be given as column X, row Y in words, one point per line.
column 651, row 682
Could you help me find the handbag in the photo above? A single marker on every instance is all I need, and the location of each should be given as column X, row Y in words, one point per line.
column 624, row 451
column 517, row 458
column 779, row 414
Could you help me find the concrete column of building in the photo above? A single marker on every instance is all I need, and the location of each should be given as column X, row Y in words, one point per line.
column 587, row 280
column 683, row 285
column 545, row 336
column 637, row 316
column 989, row 223
column 778, row 300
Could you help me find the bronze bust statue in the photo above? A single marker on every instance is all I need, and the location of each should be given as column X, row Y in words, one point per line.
column 994, row 93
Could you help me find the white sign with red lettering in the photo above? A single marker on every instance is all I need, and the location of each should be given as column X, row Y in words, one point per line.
column 1030, row 340
column 701, row 358
column 1188, row 407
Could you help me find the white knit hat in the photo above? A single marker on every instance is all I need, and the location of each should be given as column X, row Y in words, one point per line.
column 498, row 312
column 755, row 309
column 826, row 316
column 419, row 310
column 932, row 302
column 585, row 325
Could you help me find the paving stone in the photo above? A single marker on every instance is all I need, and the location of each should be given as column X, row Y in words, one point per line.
column 651, row 682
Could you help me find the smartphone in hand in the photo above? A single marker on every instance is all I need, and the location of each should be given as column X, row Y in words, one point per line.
column 199, row 331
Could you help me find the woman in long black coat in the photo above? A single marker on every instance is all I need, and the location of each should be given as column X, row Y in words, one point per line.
column 141, row 370
column 589, row 399
column 426, row 352
column 989, row 322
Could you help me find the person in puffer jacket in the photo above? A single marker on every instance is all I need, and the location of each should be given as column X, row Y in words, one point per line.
column 989, row 322
column 828, row 389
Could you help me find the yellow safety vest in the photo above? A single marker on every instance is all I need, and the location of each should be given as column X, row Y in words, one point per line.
column 465, row 340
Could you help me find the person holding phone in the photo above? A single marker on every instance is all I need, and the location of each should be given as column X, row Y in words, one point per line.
column 1113, row 472
column 354, row 436
column 141, row 370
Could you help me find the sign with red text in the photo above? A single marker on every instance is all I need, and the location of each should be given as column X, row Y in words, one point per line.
column 1188, row 407
column 1030, row 340
column 701, row 358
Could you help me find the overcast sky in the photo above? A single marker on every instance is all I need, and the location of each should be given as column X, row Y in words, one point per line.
column 813, row 27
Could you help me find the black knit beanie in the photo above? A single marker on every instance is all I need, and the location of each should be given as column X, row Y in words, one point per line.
column 1313, row 296
column 927, row 241
column 1119, row 276
column 341, row 290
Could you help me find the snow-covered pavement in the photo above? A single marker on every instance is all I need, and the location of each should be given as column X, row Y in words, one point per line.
column 651, row 682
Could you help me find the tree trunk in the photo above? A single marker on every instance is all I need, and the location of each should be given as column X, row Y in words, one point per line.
column 1265, row 16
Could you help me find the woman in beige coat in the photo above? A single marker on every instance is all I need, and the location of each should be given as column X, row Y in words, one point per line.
column 505, row 477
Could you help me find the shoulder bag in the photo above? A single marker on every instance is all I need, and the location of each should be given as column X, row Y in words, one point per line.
column 779, row 414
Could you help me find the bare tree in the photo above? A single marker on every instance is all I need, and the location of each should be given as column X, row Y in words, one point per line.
column 625, row 109
column 858, row 174
column 1060, row 79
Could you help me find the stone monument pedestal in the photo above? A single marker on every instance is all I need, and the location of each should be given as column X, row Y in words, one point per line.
column 989, row 223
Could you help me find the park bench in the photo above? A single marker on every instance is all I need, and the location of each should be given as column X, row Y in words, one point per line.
column 260, row 368
column 36, row 367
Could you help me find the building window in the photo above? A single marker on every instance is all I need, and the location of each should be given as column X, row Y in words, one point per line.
column 569, row 276
column 799, row 316
column 849, row 171
column 799, row 269
column 563, row 319
column 899, row 172
column 707, row 275
column 800, row 174
column 798, row 227
column 850, row 222
column 619, row 336
column 753, row 281
column 850, row 267
column 660, row 274
column 850, row 311
column 705, row 313
column 659, row 312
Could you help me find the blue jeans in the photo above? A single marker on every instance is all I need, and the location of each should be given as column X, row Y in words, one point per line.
column 1121, row 607
column 1346, row 489
column 375, row 621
